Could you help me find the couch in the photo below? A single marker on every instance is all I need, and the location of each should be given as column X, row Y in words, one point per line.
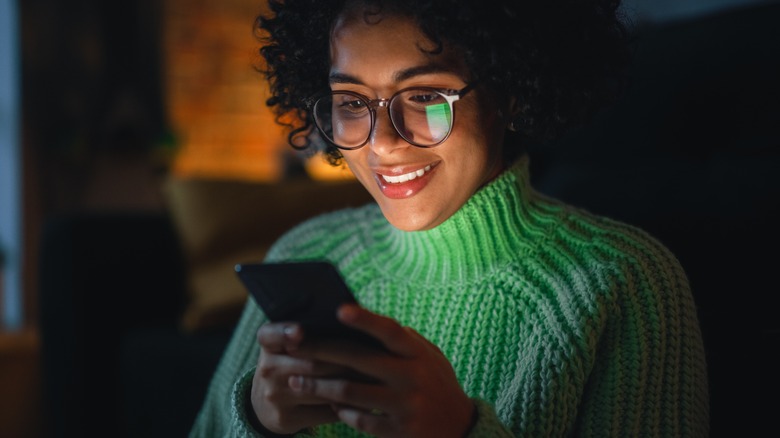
column 691, row 154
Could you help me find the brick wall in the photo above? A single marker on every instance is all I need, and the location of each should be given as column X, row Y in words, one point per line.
column 215, row 98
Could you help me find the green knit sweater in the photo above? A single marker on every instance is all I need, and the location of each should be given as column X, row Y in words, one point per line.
column 557, row 322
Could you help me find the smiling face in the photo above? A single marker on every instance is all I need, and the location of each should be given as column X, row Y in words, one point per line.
column 416, row 188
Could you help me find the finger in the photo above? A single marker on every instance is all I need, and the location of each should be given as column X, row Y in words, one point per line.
column 366, row 364
column 284, row 365
column 342, row 392
column 365, row 421
column 395, row 337
column 316, row 415
column 280, row 337
column 270, row 383
column 300, row 417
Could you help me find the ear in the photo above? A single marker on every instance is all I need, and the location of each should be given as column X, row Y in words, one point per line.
column 509, row 109
column 514, row 119
column 514, row 107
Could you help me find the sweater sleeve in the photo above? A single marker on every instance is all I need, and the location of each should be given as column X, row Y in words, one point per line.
column 649, row 375
column 218, row 416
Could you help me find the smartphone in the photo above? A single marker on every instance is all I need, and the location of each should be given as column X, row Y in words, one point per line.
column 306, row 292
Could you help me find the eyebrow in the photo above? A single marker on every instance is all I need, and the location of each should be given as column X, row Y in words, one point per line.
column 399, row 76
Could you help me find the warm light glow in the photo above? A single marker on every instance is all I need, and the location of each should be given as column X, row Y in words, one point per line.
column 318, row 168
column 216, row 98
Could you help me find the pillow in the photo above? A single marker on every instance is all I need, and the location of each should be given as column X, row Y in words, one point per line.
column 224, row 222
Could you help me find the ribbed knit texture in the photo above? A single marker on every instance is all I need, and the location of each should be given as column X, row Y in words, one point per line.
column 556, row 321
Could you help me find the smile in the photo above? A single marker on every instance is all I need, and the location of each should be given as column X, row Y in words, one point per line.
column 407, row 176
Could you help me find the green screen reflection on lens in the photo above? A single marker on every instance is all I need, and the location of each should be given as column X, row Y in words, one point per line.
column 439, row 118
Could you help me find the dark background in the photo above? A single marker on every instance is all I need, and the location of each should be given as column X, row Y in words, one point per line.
column 690, row 154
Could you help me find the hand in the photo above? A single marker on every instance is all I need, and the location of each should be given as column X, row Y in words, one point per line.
column 413, row 392
column 279, row 408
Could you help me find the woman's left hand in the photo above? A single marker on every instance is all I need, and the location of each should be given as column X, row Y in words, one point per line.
column 412, row 390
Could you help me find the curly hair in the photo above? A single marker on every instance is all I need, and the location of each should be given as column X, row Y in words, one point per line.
column 561, row 59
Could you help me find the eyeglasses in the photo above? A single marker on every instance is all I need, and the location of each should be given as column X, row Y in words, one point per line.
column 422, row 116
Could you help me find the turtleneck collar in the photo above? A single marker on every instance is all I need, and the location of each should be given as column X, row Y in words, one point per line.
column 492, row 226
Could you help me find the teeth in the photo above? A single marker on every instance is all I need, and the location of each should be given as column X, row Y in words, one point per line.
column 406, row 177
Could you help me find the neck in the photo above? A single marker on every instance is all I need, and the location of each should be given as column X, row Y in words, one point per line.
column 486, row 231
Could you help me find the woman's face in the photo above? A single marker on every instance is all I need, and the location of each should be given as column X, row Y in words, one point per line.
column 378, row 59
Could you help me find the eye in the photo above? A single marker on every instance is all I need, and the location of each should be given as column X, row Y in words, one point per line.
column 353, row 105
column 422, row 96
column 418, row 99
column 348, row 105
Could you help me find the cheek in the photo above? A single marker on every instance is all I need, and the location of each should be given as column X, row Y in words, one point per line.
column 484, row 137
column 491, row 133
column 357, row 167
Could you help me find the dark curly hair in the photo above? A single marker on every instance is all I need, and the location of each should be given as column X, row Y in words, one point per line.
column 562, row 59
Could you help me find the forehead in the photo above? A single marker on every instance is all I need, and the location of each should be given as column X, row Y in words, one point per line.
column 376, row 43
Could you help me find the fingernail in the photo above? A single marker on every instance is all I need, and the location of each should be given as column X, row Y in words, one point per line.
column 348, row 312
column 295, row 383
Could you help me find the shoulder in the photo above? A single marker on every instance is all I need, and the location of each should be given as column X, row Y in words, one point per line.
column 614, row 239
column 314, row 237
column 578, row 229
column 599, row 269
column 606, row 256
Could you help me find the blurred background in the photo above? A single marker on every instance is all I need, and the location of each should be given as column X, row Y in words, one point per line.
column 138, row 163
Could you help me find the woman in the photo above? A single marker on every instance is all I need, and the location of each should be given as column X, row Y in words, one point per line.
column 502, row 312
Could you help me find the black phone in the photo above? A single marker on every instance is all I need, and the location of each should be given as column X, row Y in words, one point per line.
column 306, row 292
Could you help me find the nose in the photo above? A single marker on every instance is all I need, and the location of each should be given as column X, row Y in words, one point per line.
column 384, row 138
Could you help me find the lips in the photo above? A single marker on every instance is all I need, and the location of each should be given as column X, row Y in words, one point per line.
column 403, row 185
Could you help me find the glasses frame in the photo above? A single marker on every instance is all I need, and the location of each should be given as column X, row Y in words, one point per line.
column 450, row 95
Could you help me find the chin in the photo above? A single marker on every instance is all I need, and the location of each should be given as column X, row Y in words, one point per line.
column 411, row 222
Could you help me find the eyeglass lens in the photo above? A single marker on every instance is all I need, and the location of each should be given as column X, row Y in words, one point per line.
column 422, row 117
